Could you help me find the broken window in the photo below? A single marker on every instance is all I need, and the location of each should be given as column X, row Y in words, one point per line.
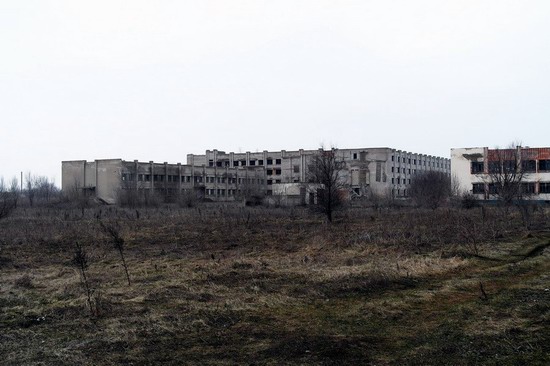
column 296, row 169
column 354, row 156
column 277, row 171
column 495, row 167
column 269, row 171
column 478, row 188
column 235, row 163
column 476, row 167
column 218, row 163
column 252, row 162
column 277, row 161
column 529, row 165
column 210, row 162
column 147, row 177
column 269, row 161
column 528, row 188
column 544, row 187
column 392, row 158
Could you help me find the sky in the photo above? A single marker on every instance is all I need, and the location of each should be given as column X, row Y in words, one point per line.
column 157, row 80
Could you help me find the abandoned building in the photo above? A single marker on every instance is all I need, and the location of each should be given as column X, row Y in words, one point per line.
column 478, row 170
column 380, row 171
column 221, row 176
column 109, row 179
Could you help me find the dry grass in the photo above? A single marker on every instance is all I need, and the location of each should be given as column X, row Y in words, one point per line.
column 229, row 285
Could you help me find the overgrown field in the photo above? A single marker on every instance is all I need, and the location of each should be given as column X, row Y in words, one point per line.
column 215, row 285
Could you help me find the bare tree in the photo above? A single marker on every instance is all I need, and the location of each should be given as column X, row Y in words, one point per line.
column 507, row 170
column 14, row 190
column 8, row 201
column 430, row 188
column 326, row 168
column 30, row 188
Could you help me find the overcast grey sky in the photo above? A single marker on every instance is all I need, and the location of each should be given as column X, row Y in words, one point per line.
column 156, row 80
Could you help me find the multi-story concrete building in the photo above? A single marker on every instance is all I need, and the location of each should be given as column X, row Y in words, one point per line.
column 110, row 178
column 475, row 170
column 221, row 176
column 381, row 171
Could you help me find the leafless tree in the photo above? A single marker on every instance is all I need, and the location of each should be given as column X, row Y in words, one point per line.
column 507, row 170
column 8, row 200
column 14, row 190
column 430, row 188
column 325, row 168
column 30, row 188
column 39, row 188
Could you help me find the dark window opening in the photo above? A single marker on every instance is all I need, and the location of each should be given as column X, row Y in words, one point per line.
column 544, row 187
column 544, row 165
column 277, row 161
column 269, row 161
column 478, row 188
column 252, row 162
column 528, row 188
column 529, row 165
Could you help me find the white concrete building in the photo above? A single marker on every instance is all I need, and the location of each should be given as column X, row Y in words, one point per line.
column 471, row 168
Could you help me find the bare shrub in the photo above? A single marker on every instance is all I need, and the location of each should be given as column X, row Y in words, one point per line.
column 113, row 232
column 81, row 262
column 430, row 189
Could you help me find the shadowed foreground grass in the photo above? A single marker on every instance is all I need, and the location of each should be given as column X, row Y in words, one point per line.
column 216, row 286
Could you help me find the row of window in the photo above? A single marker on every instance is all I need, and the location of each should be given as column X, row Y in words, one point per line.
column 527, row 188
column 221, row 192
column 260, row 162
column 188, row 179
column 435, row 164
column 509, row 166
column 400, row 181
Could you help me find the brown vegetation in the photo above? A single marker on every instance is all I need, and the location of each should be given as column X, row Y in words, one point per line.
column 222, row 285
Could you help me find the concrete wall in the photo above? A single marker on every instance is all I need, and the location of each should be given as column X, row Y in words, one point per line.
column 461, row 160
column 108, row 179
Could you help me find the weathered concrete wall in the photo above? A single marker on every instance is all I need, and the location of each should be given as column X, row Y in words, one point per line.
column 77, row 174
column 108, row 179
column 461, row 161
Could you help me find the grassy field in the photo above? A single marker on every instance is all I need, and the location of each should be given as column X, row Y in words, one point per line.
column 215, row 285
